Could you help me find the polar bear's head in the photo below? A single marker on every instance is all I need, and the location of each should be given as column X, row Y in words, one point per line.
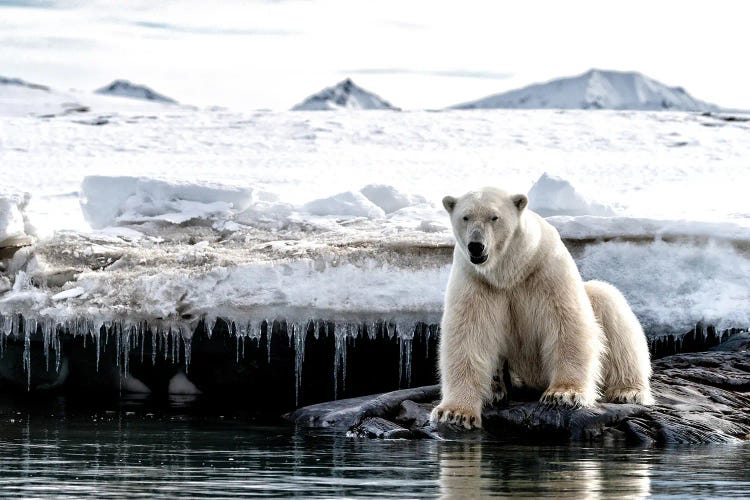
column 484, row 221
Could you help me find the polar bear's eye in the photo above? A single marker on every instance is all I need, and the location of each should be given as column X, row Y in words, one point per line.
column 494, row 219
column 466, row 217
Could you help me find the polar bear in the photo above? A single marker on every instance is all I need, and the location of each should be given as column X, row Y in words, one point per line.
column 515, row 295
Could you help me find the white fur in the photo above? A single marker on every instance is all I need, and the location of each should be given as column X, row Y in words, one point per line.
column 527, row 305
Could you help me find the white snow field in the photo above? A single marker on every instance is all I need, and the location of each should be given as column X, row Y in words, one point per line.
column 170, row 214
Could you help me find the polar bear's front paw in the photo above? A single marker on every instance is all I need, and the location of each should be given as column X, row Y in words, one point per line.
column 631, row 395
column 563, row 396
column 445, row 413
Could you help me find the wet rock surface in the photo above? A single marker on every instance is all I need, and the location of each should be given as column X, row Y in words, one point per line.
column 700, row 398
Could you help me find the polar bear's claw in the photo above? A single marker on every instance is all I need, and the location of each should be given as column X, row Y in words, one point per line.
column 462, row 417
column 563, row 397
column 499, row 392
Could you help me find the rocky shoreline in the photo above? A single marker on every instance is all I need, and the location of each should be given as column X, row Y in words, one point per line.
column 700, row 398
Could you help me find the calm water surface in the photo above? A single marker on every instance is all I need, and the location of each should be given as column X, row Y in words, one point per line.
column 141, row 450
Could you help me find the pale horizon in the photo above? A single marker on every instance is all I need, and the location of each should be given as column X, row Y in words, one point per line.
column 416, row 55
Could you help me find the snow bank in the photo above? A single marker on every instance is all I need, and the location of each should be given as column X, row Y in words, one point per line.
column 11, row 222
column 349, row 203
column 671, row 286
column 555, row 196
column 109, row 201
column 595, row 227
column 374, row 201
column 15, row 228
column 389, row 198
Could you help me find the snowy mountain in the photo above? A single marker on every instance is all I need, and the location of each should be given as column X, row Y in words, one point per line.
column 595, row 89
column 21, row 98
column 343, row 95
column 21, row 83
column 124, row 88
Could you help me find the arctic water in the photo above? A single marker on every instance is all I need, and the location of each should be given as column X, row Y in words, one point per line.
column 188, row 448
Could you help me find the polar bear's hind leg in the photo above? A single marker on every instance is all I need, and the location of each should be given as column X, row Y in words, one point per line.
column 626, row 364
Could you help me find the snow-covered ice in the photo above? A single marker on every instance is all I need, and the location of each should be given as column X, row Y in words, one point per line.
column 348, row 203
column 171, row 214
column 11, row 222
column 15, row 228
column 554, row 196
column 109, row 201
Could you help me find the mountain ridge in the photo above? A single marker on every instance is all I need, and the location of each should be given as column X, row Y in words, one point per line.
column 595, row 89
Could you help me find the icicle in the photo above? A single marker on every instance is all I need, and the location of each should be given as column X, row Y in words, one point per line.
column 336, row 362
column 339, row 357
column 252, row 332
column 141, row 337
column 165, row 339
column 372, row 330
column 175, row 337
column 126, row 347
column 46, row 342
column 405, row 337
column 107, row 328
column 117, row 342
column 237, row 338
column 27, row 354
column 154, row 338
column 300, row 334
column 390, row 330
column 96, row 332
column 57, row 345
column 269, row 332
column 188, row 353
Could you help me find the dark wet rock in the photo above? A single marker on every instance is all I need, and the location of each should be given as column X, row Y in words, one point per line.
column 348, row 413
column 380, row 428
column 737, row 342
column 700, row 398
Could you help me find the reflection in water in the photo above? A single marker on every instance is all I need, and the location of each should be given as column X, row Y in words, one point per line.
column 557, row 471
column 141, row 451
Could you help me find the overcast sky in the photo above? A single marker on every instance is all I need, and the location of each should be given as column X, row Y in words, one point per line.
column 416, row 54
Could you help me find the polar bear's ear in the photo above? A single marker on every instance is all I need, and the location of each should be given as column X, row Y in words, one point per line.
column 520, row 201
column 449, row 202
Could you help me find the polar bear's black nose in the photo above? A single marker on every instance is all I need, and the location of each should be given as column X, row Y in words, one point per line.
column 476, row 249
